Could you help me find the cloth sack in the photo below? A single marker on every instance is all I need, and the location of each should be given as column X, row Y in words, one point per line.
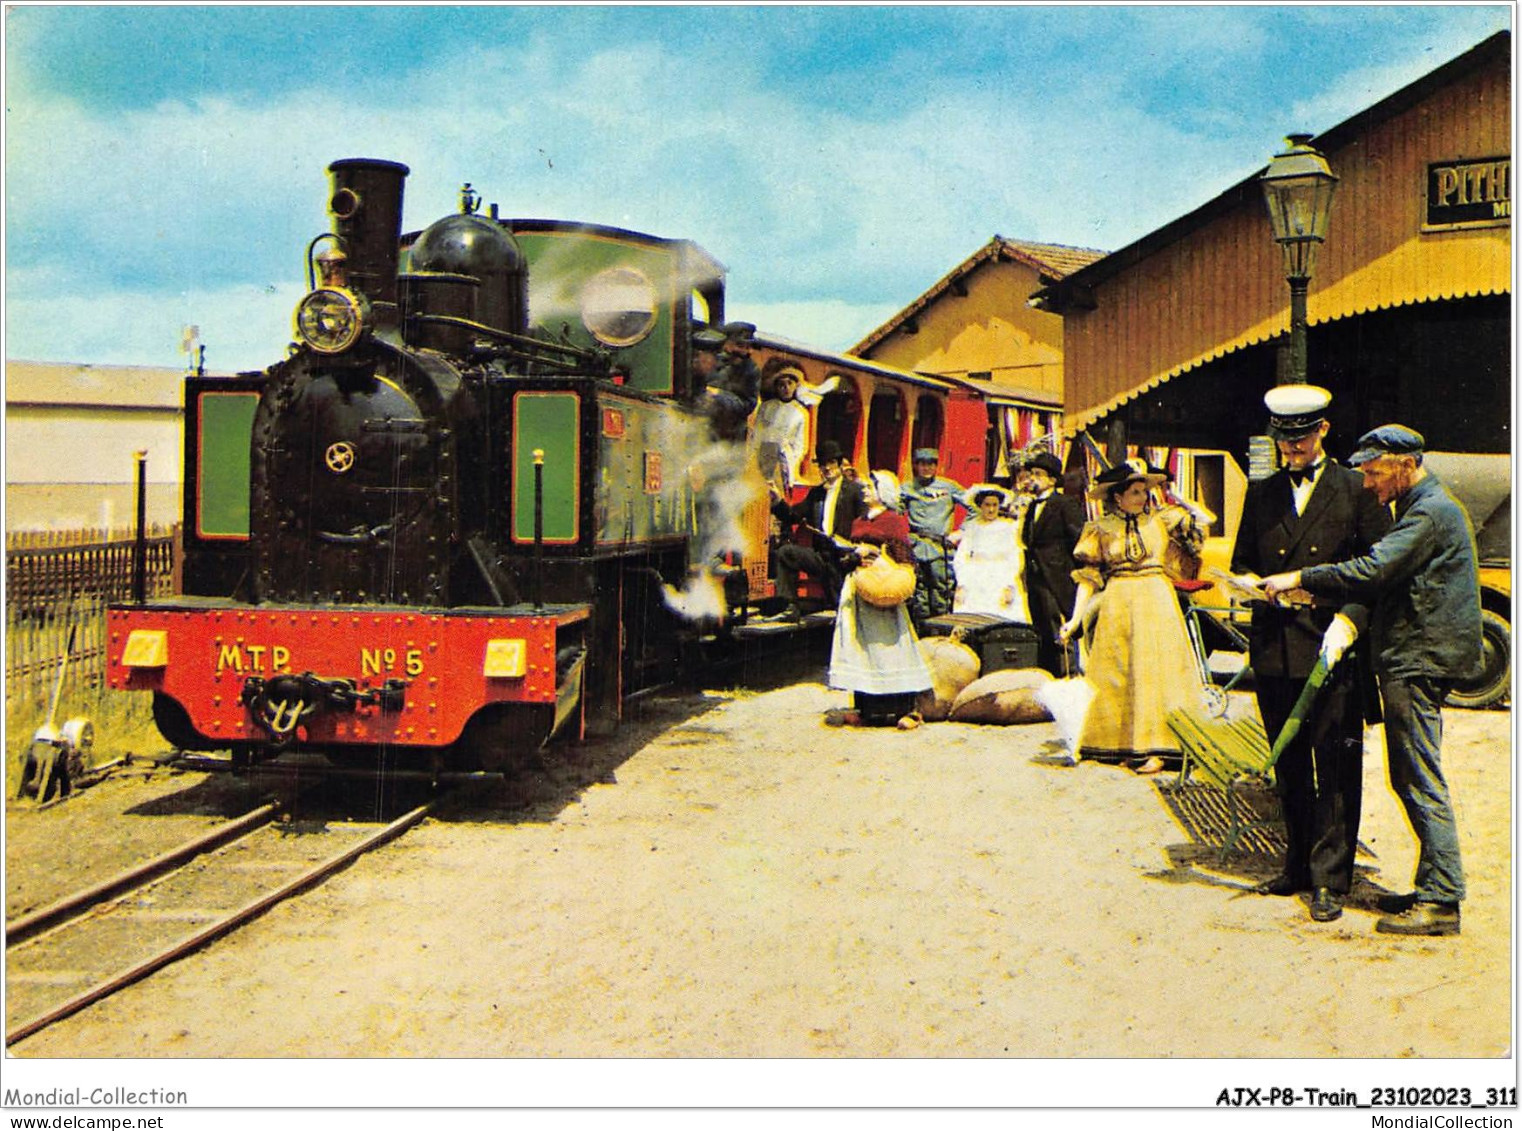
column 953, row 665
column 1003, row 697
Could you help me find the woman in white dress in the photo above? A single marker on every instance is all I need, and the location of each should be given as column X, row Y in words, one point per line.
column 990, row 563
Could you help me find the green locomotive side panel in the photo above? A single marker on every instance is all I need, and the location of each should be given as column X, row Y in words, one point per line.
column 223, row 464
column 627, row 288
column 644, row 486
column 550, row 423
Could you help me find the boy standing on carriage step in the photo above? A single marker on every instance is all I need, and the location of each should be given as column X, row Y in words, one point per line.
column 930, row 502
column 1424, row 633
column 1308, row 512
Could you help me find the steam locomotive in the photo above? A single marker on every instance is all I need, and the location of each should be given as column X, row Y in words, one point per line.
column 445, row 525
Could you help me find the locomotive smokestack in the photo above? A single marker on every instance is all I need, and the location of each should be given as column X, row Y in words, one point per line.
column 366, row 206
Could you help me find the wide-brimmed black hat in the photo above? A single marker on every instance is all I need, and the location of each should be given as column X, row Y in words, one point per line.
column 1125, row 473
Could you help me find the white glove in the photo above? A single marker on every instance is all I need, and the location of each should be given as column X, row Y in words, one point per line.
column 1337, row 639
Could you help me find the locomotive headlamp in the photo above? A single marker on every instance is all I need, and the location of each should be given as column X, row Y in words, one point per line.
column 332, row 319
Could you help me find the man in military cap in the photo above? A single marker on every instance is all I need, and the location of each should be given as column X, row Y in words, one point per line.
column 930, row 501
column 1049, row 531
column 1424, row 633
column 827, row 511
column 1308, row 512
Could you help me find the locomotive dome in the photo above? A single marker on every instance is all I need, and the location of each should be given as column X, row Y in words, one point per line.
column 467, row 245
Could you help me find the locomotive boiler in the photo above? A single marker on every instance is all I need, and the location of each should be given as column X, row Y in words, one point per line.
column 442, row 526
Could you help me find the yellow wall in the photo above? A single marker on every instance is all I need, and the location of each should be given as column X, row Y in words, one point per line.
column 989, row 330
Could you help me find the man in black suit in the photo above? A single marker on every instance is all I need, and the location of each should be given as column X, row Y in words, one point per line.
column 1053, row 522
column 1310, row 512
column 827, row 511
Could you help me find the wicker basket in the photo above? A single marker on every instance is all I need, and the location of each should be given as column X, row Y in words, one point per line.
column 884, row 582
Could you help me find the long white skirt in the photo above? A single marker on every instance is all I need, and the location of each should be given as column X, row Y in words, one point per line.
column 875, row 650
column 990, row 570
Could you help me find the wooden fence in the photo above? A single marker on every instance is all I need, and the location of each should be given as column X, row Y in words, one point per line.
column 56, row 581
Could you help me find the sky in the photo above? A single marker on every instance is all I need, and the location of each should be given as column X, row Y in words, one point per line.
column 166, row 165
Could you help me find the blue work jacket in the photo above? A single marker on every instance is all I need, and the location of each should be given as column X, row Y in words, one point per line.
column 1424, row 584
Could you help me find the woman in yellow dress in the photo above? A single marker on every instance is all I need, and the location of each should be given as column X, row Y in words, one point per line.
column 1140, row 663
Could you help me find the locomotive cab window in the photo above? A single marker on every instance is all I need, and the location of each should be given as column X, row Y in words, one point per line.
column 618, row 306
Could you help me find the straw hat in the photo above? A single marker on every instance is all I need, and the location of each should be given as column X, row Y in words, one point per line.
column 974, row 494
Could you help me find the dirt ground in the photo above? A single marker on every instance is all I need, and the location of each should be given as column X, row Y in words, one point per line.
column 727, row 877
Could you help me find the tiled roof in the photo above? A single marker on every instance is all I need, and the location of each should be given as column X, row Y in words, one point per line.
column 1051, row 261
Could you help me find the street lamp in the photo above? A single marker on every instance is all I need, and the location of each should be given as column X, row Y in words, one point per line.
column 1297, row 187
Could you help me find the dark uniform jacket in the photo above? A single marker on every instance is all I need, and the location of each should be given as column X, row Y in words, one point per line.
column 1341, row 521
column 1049, row 546
column 1426, row 585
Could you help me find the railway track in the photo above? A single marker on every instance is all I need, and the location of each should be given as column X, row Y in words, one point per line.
column 82, row 949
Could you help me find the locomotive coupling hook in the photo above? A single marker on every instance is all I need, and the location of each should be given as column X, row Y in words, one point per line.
column 281, row 704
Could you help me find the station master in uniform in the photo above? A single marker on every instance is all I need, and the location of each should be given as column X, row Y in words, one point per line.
column 1309, row 512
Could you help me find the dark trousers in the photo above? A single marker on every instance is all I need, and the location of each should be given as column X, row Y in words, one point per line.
column 1047, row 616
column 793, row 559
column 1319, row 775
column 1414, row 740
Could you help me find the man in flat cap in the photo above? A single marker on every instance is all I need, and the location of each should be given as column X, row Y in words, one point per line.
column 1308, row 512
column 1049, row 531
column 930, row 501
column 1424, row 633
column 706, row 345
column 728, row 386
column 827, row 511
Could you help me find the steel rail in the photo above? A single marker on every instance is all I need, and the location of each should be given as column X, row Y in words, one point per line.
column 221, row 927
column 25, row 926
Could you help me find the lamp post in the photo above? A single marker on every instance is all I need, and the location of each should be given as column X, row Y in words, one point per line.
column 1298, row 187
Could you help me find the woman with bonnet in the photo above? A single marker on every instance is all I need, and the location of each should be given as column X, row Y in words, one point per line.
column 875, row 653
column 1140, row 663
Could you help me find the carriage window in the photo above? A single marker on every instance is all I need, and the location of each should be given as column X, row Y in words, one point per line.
column 618, row 306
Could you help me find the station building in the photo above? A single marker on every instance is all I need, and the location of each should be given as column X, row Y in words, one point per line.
column 975, row 329
column 1170, row 343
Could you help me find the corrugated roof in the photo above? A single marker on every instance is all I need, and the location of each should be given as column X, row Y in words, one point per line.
column 1052, row 262
column 97, row 386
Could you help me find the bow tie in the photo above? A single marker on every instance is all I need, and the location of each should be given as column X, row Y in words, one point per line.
column 1298, row 477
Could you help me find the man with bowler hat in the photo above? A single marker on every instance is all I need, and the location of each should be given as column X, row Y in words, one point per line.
column 930, row 502
column 827, row 511
column 1308, row 512
column 1053, row 521
column 1424, row 633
